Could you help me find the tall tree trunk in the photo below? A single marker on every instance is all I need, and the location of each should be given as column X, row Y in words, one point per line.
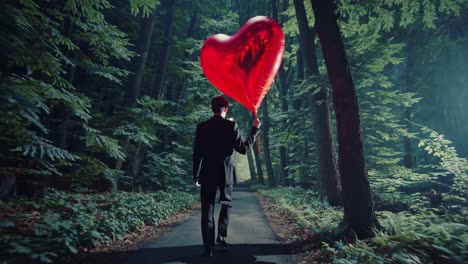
column 192, row 24
column 258, row 163
column 307, row 177
column 137, row 161
column 284, row 165
column 118, row 165
column 161, row 68
column 7, row 183
column 284, row 81
column 139, row 61
column 190, row 33
column 274, row 9
column 327, row 165
column 266, row 142
column 296, row 104
column 158, row 90
column 358, row 208
column 250, row 158
column 132, row 92
column 244, row 10
column 253, row 173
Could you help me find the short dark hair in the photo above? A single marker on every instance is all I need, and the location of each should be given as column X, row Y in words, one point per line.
column 217, row 103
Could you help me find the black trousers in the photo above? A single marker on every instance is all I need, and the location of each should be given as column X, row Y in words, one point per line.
column 208, row 197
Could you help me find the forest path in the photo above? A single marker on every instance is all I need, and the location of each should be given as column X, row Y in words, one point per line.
column 250, row 238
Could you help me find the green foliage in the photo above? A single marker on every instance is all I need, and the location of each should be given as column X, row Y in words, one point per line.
column 380, row 102
column 441, row 148
column 98, row 142
column 420, row 236
column 305, row 207
column 143, row 6
column 290, row 27
column 42, row 44
column 167, row 169
column 65, row 222
column 302, row 167
column 402, row 13
column 42, row 148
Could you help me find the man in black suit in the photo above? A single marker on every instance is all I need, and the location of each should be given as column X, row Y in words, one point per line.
column 215, row 141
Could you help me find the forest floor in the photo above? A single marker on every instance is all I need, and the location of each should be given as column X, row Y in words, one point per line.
column 289, row 232
column 116, row 251
column 258, row 231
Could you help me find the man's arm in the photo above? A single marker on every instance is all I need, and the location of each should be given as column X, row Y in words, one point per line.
column 197, row 156
column 242, row 146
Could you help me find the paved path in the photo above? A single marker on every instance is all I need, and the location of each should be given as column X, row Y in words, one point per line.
column 250, row 239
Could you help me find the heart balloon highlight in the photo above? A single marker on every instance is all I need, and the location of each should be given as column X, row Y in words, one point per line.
column 243, row 66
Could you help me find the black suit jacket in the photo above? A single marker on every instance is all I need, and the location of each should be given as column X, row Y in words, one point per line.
column 215, row 140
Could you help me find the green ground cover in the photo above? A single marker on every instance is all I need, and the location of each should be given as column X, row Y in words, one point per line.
column 46, row 228
column 421, row 234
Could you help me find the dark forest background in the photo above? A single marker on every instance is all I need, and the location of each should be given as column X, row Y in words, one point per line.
column 100, row 101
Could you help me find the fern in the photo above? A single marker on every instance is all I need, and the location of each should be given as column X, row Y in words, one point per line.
column 95, row 140
column 42, row 148
column 143, row 6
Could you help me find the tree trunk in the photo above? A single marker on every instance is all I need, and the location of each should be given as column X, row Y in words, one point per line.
column 258, row 163
column 253, row 173
column 158, row 90
column 358, row 208
column 266, row 143
column 192, row 24
column 307, row 178
column 139, row 61
column 274, row 10
column 190, row 33
column 159, row 85
column 132, row 93
column 161, row 68
column 283, row 84
column 284, row 165
column 327, row 165
column 250, row 158
column 243, row 10
column 7, row 184
column 137, row 161
column 296, row 104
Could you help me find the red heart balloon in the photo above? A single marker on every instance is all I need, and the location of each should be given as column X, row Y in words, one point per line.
column 243, row 66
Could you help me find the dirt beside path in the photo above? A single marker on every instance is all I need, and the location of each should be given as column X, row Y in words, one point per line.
column 290, row 233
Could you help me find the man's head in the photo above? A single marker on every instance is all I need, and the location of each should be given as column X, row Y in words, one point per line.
column 219, row 105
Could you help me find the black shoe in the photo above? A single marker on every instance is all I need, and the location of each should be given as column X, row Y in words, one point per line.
column 221, row 241
column 208, row 252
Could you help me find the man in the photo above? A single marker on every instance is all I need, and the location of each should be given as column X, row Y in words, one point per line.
column 215, row 140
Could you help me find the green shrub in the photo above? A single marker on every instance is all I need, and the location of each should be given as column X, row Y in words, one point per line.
column 392, row 201
column 420, row 234
column 60, row 223
column 407, row 239
column 305, row 207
